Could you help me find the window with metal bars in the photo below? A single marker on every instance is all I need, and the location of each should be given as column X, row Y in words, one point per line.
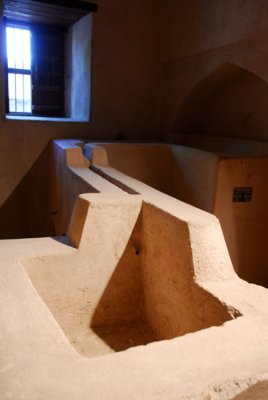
column 35, row 70
column 48, row 73
column 18, row 40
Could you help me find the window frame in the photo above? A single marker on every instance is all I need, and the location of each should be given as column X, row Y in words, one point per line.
column 76, row 86
column 75, row 16
column 36, row 30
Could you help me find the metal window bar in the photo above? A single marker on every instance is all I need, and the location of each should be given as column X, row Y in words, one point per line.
column 20, row 101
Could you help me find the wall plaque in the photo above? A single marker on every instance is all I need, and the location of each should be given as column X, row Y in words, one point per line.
column 242, row 194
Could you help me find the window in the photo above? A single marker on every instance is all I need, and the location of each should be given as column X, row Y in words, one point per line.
column 48, row 58
column 35, row 68
column 18, row 43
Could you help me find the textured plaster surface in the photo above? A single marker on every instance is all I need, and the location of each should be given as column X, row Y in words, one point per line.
column 144, row 270
column 204, row 179
column 142, row 74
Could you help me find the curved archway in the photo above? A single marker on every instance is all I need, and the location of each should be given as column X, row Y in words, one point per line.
column 230, row 101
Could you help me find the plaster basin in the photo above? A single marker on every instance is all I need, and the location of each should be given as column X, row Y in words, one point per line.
column 131, row 283
column 143, row 277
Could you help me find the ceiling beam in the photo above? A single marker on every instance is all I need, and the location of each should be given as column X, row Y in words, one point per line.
column 79, row 5
column 56, row 12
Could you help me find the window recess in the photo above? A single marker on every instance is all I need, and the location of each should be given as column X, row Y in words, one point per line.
column 40, row 84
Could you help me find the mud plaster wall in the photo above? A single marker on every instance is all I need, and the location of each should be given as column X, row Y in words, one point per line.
column 244, row 224
column 207, row 181
column 146, row 57
column 65, row 186
column 125, row 79
column 77, row 76
column 144, row 163
column 184, row 173
column 240, row 108
column 198, row 37
column 168, row 280
column 124, row 84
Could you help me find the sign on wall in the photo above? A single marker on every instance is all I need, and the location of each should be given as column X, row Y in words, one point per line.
column 242, row 194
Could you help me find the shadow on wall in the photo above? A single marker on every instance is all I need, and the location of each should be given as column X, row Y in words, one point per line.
column 230, row 100
column 152, row 294
column 118, row 318
column 259, row 391
column 26, row 213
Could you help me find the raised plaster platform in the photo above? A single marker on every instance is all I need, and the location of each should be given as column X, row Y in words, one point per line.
column 138, row 271
column 207, row 180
